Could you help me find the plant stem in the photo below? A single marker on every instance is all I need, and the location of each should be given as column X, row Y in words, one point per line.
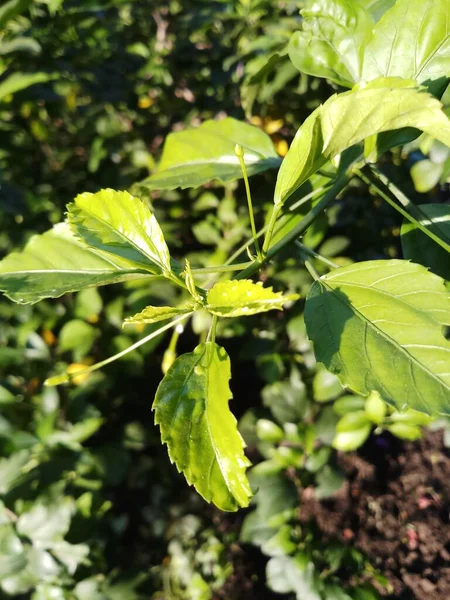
column 311, row 252
column 239, row 151
column 212, row 330
column 385, row 188
column 221, row 268
column 270, row 228
column 311, row 270
column 65, row 377
column 340, row 183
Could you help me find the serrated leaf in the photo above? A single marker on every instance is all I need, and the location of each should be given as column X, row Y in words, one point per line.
column 244, row 298
column 120, row 224
column 191, row 408
column 195, row 156
column 153, row 314
column 55, row 263
column 349, row 118
column 341, row 41
column 420, row 248
column 378, row 325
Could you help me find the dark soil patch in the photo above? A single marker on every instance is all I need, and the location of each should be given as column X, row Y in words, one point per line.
column 395, row 508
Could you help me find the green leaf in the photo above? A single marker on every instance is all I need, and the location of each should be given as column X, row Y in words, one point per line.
column 326, row 386
column 191, row 408
column 405, row 431
column 420, row 248
column 411, row 40
column 12, row 555
column 46, row 523
column 378, row 325
column 120, row 225
column 244, row 298
column 375, row 408
column 329, row 481
column 349, row 118
column 11, row 9
column 19, row 81
column 286, row 574
column 340, row 40
column 352, row 430
column 195, row 156
column 13, row 471
column 55, row 263
column 426, row 175
column 332, row 41
column 78, row 336
column 153, row 314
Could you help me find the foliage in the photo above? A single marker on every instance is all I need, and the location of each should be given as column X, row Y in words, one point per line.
column 87, row 96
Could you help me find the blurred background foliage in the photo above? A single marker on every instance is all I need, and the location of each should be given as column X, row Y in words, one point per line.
column 91, row 508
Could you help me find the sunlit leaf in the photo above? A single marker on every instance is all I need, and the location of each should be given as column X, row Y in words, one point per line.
column 55, row 263
column 121, row 225
column 332, row 41
column 340, row 40
column 243, row 298
column 420, row 248
column 153, row 314
column 349, row 118
column 195, row 156
column 191, row 408
column 378, row 325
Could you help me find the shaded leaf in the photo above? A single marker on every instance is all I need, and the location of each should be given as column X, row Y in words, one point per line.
column 420, row 248
column 349, row 118
column 121, row 225
column 243, row 298
column 378, row 325
column 19, row 81
column 55, row 263
column 11, row 9
column 195, row 156
column 191, row 408
column 153, row 314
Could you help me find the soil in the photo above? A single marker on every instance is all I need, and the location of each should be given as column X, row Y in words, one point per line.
column 395, row 508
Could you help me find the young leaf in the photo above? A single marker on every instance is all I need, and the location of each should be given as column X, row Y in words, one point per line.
column 411, row 40
column 195, row 156
column 420, row 248
column 340, row 40
column 244, row 298
column 55, row 263
column 332, row 41
column 191, row 408
column 349, row 118
column 190, row 283
column 121, row 225
column 378, row 325
column 153, row 314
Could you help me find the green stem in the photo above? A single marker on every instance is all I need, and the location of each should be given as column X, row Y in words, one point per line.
column 221, row 268
column 65, row 377
column 239, row 151
column 340, row 183
column 311, row 252
column 385, row 188
column 270, row 228
column 212, row 330
column 311, row 270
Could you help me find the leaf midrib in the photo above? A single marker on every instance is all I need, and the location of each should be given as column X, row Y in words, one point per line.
column 123, row 236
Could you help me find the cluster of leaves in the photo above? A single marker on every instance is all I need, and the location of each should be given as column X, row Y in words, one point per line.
column 379, row 325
